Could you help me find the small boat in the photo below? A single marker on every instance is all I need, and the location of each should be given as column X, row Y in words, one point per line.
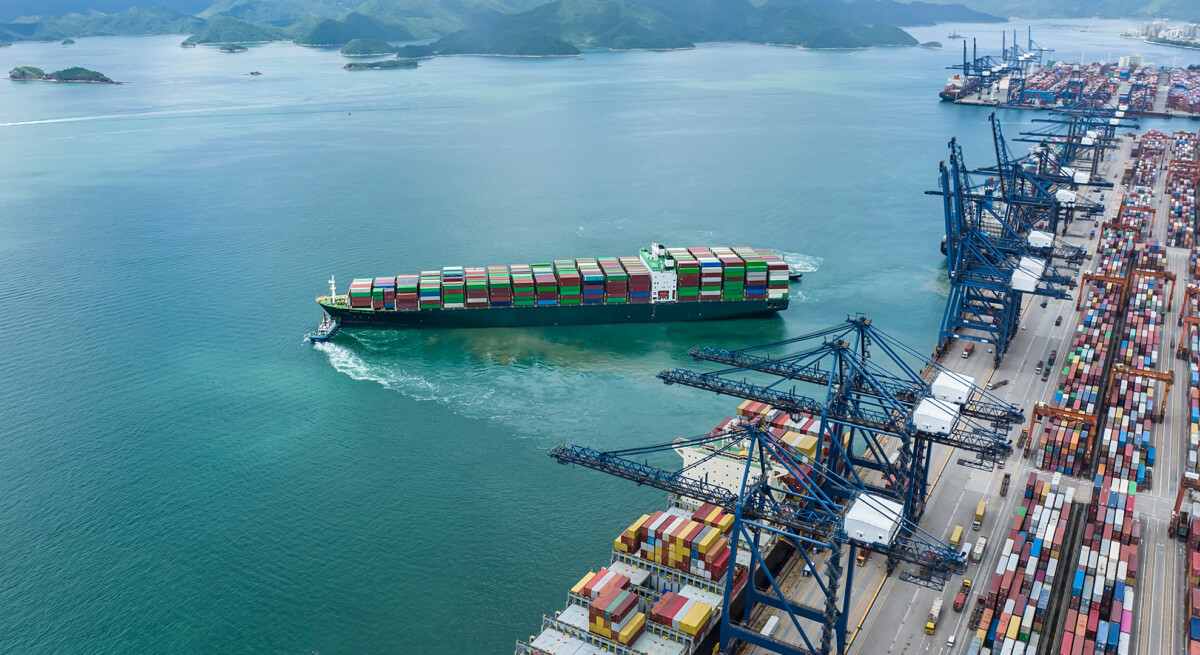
column 955, row 35
column 794, row 274
column 328, row 326
column 325, row 330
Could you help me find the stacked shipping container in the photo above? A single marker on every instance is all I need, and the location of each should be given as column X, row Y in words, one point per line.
column 1184, row 94
column 700, row 274
column 1100, row 615
column 1017, row 598
column 695, row 545
column 360, row 293
column 633, row 604
column 1183, row 173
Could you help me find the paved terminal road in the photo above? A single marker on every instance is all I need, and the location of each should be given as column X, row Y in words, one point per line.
column 888, row 616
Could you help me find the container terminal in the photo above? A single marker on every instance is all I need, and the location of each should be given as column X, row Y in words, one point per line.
column 1024, row 78
column 1030, row 488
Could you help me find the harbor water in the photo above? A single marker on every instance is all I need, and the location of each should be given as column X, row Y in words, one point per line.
column 181, row 472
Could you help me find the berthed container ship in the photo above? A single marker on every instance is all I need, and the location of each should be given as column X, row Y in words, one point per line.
column 658, row 284
column 664, row 591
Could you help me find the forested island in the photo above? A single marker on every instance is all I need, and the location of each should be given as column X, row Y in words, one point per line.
column 233, row 47
column 74, row 74
column 386, row 64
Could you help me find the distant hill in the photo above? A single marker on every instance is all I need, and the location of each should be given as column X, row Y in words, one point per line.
column 232, row 30
column 502, row 39
column 278, row 13
column 906, row 13
column 663, row 24
column 1188, row 10
column 11, row 10
column 136, row 20
column 365, row 47
column 614, row 24
column 430, row 19
column 353, row 26
column 503, row 25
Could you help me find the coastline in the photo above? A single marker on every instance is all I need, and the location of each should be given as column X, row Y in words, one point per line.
column 1169, row 44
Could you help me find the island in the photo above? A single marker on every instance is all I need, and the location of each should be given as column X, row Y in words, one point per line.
column 932, row 45
column 386, row 64
column 233, row 47
column 74, row 74
column 367, row 48
column 68, row 41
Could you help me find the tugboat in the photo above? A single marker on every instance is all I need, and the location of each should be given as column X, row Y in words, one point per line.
column 794, row 274
column 328, row 326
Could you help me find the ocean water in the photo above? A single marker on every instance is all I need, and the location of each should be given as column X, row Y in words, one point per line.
column 181, row 473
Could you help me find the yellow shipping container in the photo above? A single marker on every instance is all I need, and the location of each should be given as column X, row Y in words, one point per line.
column 619, row 545
column 635, row 624
column 725, row 523
column 578, row 588
column 637, row 525
column 1014, row 627
column 709, row 539
column 696, row 618
column 808, row 445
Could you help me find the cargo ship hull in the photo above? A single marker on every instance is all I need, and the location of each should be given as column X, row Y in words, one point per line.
column 659, row 312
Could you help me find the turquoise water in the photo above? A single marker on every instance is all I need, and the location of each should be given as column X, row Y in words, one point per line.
column 181, row 473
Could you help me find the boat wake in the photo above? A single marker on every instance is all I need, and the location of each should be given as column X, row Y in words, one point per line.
column 801, row 262
column 414, row 386
column 510, row 393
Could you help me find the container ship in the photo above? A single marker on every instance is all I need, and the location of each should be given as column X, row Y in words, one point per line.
column 658, row 284
column 664, row 591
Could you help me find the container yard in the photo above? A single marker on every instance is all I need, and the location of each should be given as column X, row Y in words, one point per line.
column 658, row 284
column 1078, row 544
column 1139, row 90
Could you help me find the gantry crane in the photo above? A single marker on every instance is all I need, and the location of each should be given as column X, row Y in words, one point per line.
column 879, row 396
column 865, row 402
column 816, row 509
column 1041, row 188
column 994, row 256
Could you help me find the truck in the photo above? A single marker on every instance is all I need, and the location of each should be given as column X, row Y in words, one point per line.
column 967, row 353
column 979, row 511
column 1004, row 484
column 935, row 613
column 996, row 385
column 977, row 552
column 1051, row 359
column 963, row 591
column 956, row 536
